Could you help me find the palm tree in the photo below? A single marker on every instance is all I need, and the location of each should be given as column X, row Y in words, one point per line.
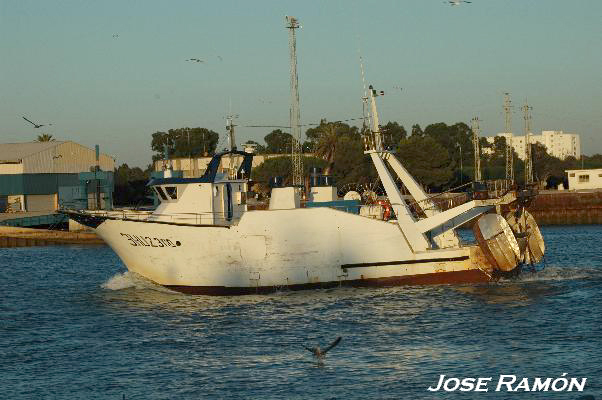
column 45, row 138
column 326, row 146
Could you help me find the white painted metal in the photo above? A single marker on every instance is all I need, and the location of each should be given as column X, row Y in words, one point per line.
column 203, row 235
column 282, row 245
column 447, row 238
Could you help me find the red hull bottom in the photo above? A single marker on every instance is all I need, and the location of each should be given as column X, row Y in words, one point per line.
column 454, row 277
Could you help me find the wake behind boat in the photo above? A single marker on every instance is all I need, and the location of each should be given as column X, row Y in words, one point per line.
column 204, row 239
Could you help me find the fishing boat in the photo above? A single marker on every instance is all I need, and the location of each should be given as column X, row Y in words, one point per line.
column 203, row 238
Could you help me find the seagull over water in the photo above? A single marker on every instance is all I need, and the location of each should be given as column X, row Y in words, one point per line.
column 319, row 353
column 36, row 126
column 196, row 60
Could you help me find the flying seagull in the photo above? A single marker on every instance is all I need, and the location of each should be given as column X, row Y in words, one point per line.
column 34, row 124
column 196, row 60
column 318, row 352
column 456, row 2
column 115, row 35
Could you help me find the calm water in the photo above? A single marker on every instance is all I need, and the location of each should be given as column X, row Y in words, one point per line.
column 74, row 324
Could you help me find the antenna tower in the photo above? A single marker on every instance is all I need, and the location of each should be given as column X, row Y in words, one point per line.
column 477, row 153
column 231, row 142
column 528, row 158
column 508, row 131
column 295, row 114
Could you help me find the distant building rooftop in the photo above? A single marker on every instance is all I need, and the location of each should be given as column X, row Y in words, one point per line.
column 15, row 152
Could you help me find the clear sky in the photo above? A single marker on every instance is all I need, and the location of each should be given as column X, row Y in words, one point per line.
column 60, row 63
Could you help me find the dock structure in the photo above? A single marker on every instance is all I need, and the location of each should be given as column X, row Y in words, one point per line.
column 33, row 219
column 24, row 237
column 567, row 208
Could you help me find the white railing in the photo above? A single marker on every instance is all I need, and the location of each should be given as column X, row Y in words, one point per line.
column 207, row 218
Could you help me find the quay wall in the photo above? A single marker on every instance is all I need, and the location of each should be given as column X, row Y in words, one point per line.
column 567, row 208
column 24, row 237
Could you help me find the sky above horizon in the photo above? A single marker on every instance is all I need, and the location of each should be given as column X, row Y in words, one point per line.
column 114, row 72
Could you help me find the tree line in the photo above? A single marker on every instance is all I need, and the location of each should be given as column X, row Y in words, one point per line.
column 440, row 156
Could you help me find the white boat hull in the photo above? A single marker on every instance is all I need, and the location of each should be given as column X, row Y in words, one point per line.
column 297, row 248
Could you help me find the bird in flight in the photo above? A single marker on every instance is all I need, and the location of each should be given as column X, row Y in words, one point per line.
column 319, row 353
column 36, row 126
column 196, row 60
column 456, row 2
column 115, row 35
column 220, row 58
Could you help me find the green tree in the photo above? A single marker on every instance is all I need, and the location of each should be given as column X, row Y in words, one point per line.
column 281, row 166
column 45, row 138
column 427, row 161
column 278, row 142
column 185, row 142
column 392, row 133
column 417, row 130
column 130, row 186
column 326, row 138
column 351, row 164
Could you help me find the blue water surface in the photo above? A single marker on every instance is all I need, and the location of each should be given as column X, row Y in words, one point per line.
column 75, row 325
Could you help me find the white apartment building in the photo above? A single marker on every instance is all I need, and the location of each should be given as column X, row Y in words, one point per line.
column 558, row 143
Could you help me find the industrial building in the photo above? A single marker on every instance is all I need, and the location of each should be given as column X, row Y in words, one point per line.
column 558, row 143
column 45, row 176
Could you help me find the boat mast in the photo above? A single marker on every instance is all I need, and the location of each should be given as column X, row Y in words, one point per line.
column 231, row 142
column 377, row 143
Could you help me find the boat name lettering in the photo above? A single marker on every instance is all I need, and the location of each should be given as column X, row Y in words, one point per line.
column 147, row 241
column 506, row 383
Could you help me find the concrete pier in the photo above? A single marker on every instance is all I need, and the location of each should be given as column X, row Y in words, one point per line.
column 23, row 237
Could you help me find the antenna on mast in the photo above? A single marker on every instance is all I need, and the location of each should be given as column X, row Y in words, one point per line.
column 231, row 143
column 295, row 113
column 365, row 115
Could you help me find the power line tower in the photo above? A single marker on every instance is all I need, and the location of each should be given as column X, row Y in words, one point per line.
column 295, row 114
column 508, row 131
column 528, row 158
column 477, row 152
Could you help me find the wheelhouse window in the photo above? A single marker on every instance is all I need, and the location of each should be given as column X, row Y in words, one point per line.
column 172, row 192
column 160, row 193
column 583, row 178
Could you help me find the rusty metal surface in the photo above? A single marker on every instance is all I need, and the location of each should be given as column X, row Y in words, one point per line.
column 496, row 239
column 530, row 239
